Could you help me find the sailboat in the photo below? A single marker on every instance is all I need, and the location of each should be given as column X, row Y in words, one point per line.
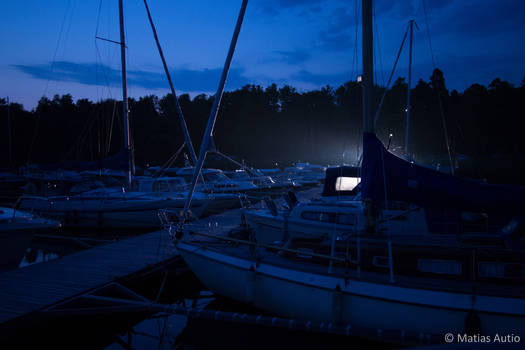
column 425, row 287
column 109, row 207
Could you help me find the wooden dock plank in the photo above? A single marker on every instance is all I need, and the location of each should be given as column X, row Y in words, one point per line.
column 37, row 286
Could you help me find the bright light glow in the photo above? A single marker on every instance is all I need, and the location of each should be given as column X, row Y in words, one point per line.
column 359, row 78
column 391, row 135
column 343, row 183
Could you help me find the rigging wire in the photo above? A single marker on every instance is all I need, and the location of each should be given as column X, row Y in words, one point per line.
column 436, row 88
column 379, row 52
column 387, row 87
column 355, row 64
column 57, row 46
column 356, row 40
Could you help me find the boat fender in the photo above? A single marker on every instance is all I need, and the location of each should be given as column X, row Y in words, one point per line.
column 337, row 304
column 472, row 323
column 178, row 234
column 243, row 220
column 30, row 188
column 250, row 286
column 270, row 204
column 291, row 199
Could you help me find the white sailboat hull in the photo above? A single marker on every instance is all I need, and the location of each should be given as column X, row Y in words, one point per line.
column 311, row 296
column 92, row 212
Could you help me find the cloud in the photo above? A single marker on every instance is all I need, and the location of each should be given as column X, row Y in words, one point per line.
column 96, row 74
column 340, row 32
column 491, row 17
column 407, row 9
column 292, row 57
column 321, row 79
column 274, row 7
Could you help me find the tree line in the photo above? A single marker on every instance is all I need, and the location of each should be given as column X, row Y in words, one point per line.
column 265, row 126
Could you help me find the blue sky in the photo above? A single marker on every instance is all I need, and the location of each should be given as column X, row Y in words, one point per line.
column 49, row 47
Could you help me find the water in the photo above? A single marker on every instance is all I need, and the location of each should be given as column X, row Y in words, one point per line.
column 179, row 332
column 35, row 256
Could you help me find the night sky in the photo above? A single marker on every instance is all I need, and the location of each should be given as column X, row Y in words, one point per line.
column 49, row 47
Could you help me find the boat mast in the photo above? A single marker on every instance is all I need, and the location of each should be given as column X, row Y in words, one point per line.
column 368, row 67
column 407, row 133
column 368, row 86
column 207, row 140
column 184, row 127
column 125, row 117
column 9, row 141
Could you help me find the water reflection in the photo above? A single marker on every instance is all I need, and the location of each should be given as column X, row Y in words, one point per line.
column 35, row 256
column 160, row 331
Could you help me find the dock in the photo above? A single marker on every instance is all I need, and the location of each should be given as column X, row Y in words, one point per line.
column 40, row 287
column 95, row 280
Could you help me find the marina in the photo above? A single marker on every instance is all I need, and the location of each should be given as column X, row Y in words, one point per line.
column 192, row 220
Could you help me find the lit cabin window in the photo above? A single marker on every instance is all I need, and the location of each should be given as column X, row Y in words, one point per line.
column 343, row 183
column 500, row 270
column 445, row 267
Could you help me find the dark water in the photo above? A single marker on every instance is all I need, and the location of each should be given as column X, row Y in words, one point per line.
column 122, row 330
column 179, row 332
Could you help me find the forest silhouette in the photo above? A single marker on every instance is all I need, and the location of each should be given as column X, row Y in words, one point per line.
column 280, row 125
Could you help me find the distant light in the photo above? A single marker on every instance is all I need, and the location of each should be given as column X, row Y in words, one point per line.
column 343, row 183
column 406, row 109
column 359, row 78
column 391, row 135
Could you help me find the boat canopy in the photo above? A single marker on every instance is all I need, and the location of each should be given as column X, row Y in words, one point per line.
column 388, row 177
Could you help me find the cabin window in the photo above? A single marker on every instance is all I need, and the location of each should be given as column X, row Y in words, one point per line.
column 310, row 215
column 397, row 205
column 380, row 261
column 346, row 219
column 344, row 183
column 327, row 217
column 318, row 216
column 187, row 177
column 445, row 267
column 160, row 187
column 212, row 177
column 500, row 270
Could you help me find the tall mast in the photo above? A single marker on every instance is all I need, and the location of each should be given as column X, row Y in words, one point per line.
column 187, row 138
column 407, row 133
column 207, row 140
column 125, row 117
column 368, row 67
column 9, row 141
column 368, row 86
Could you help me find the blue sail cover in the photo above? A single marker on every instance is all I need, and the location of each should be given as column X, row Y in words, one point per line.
column 119, row 161
column 385, row 176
